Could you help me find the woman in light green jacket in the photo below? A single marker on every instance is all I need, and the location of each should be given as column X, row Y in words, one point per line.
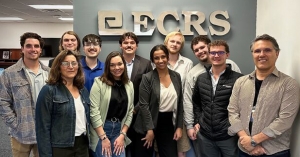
column 111, row 108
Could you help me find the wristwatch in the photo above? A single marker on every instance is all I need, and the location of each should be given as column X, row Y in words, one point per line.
column 253, row 143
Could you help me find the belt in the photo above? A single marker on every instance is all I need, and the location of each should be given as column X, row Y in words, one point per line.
column 113, row 119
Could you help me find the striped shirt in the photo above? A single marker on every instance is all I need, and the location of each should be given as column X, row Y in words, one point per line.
column 276, row 108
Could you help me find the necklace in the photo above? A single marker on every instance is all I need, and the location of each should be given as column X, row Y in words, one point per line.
column 119, row 85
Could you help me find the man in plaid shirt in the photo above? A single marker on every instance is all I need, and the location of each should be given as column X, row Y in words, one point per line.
column 20, row 85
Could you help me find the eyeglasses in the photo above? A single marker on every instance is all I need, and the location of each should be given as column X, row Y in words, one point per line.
column 68, row 64
column 220, row 53
column 89, row 44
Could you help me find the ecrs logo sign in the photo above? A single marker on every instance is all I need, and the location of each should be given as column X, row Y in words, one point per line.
column 110, row 23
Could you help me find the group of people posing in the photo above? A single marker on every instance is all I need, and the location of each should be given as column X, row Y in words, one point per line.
column 78, row 106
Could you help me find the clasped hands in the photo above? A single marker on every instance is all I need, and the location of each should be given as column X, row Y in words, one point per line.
column 245, row 142
column 193, row 132
column 119, row 146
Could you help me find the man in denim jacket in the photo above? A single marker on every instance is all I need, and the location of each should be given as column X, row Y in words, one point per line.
column 20, row 85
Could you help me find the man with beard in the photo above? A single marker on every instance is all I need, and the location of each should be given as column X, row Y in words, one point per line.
column 91, row 65
column 20, row 85
column 199, row 47
column 136, row 67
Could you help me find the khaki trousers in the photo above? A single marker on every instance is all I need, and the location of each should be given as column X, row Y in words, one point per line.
column 23, row 150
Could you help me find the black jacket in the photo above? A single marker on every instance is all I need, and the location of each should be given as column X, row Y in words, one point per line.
column 210, row 110
column 149, row 100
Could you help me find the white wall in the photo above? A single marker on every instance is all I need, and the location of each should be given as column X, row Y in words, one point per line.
column 280, row 19
column 11, row 32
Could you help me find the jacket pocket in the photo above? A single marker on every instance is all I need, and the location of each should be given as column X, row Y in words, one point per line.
column 21, row 90
column 61, row 106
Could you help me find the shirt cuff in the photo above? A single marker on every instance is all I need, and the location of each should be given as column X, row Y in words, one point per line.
column 234, row 129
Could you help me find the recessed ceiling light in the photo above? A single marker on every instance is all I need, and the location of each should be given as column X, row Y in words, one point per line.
column 66, row 18
column 52, row 6
column 10, row 19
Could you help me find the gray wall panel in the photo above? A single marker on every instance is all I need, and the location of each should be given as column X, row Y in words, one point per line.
column 242, row 18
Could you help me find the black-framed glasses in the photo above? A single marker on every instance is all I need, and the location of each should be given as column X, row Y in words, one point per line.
column 89, row 44
column 220, row 53
column 68, row 64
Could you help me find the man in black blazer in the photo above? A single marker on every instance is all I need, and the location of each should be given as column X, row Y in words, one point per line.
column 136, row 67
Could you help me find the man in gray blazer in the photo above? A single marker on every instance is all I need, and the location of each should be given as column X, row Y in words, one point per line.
column 136, row 67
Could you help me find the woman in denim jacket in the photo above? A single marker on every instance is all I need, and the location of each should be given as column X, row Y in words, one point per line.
column 111, row 108
column 62, row 110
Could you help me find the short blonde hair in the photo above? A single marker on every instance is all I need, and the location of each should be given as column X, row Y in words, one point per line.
column 172, row 34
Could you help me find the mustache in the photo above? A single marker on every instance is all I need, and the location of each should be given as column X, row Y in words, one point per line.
column 92, row 49
column 128, row 47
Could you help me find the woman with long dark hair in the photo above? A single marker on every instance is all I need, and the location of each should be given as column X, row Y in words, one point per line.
column 111, row 108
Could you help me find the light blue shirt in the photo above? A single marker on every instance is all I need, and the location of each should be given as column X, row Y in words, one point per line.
column 37, row 81
column 129, row 68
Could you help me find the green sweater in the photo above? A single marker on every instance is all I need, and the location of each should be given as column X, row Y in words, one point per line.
column 100, row 97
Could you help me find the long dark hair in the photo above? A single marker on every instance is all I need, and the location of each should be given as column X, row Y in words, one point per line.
column 107, row 77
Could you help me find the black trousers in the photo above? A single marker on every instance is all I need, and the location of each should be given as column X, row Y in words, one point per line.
column 164, row 133
column 80, row 149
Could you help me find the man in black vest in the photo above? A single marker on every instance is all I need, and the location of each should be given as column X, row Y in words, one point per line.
column 210, row 100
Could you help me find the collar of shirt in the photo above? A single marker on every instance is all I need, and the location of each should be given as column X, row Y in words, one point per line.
column 130, row 63
column 180, row 60
column 84, row 65
column 211, row 73
column 29, row 71
column 275, row 72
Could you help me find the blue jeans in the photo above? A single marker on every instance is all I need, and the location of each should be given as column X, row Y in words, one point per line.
column 285, row 153
column 191, row 152
column 112, row 130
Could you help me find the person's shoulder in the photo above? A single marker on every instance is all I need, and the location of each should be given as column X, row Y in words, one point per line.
column 14, row 68
column 44, row 67
column 142, row 59
column 288, row 79
column 236, row 73
column 149, row 74
column 229, row 61
column 187, row 60
column 197, row 67
column 97, row 80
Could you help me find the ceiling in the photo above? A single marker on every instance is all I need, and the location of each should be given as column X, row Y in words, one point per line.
column 20, row 8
